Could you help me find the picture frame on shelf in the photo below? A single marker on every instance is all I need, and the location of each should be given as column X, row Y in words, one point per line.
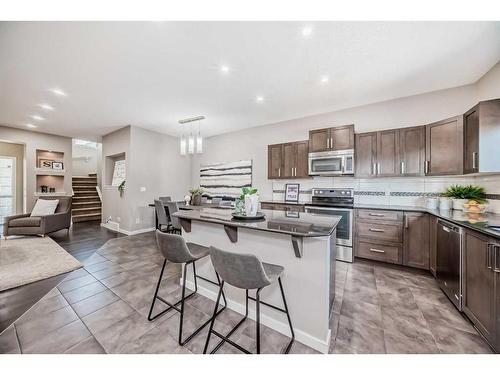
column 292, row 192
column 57, row 165
column 45, row 163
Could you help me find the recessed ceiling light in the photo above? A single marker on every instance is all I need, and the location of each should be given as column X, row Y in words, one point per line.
column 307, row 31
column 324, row 79
column 259, row 99
column 31, row 126
column 36, row 117
column 58, row 92
column 46, row 106
column 224, row 69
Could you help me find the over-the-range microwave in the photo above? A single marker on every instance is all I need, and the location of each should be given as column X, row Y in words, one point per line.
column 331, row 163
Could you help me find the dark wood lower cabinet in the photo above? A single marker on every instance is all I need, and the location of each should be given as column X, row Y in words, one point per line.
column 416, row 240
column 481, row 285
column 433, row 244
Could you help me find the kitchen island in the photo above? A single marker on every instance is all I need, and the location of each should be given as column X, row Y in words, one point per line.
column 302, row 243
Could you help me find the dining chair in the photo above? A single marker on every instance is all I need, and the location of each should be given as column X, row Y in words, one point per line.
column 165, row 199
column 175, row 223
column 162, row 217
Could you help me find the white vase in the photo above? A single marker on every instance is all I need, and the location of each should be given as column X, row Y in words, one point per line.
column 458, row 203
column 251, row 204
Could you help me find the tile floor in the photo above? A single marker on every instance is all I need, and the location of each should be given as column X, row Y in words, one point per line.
column 103, row 309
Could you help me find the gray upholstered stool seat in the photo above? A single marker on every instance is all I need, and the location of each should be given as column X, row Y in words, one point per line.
column 174, row 249
column 273, row 271
column 197, row 251
column 246, row 271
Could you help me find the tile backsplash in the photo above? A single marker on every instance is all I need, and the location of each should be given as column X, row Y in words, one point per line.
column 408, row 191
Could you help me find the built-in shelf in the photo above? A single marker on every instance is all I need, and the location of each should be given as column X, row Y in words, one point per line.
column 49, row 172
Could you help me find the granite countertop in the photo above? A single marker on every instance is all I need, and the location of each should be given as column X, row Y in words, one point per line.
column 292, row 223
column 270, row 201
column 458, row 217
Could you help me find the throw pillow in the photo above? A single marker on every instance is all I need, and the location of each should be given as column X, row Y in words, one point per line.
column 44, row 207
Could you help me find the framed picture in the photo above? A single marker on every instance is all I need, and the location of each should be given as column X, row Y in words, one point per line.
column 57, row 165
column 45, row 163
column 292, row 192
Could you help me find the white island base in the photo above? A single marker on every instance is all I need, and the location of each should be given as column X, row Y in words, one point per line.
column 308, row 281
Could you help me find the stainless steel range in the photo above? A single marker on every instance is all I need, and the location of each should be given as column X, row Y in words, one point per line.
column 337, row 202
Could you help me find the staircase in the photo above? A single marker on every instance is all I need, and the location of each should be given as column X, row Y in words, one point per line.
column 86, row 204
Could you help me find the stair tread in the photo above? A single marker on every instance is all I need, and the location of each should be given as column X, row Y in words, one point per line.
column 87, row 208
column 86, row 215
column 83, row 203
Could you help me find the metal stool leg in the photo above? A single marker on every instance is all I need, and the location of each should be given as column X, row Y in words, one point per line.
column 289, row 346
column 156, row 294
column 214, row 315
column 257, row 321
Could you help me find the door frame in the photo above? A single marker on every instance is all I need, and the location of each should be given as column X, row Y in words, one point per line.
column 14, row 184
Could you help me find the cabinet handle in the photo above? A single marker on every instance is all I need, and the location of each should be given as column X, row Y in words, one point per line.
column 295, row 171
column 446, row 229
column 378, row 215
column 376, row 230
column 292, row 172
column 374, row 168
column 495, row 259
column 426, row 166
column 279, row 172
column 406, row 221
column 378, row 168
column 488, row 256
column 474, row 160
column 331, row 142
column 377, row 250
column 328, row 143
column 403, row 167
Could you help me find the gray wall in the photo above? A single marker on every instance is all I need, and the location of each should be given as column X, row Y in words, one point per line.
column 153, row 165
column 33, row 141
column 410, row 111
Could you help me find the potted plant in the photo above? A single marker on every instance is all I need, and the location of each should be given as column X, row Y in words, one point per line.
column 121, row 188
column 460, row 194
column 250, row 198
column 196, row 196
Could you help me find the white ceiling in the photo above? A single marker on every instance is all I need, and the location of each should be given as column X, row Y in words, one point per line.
column 152, row 74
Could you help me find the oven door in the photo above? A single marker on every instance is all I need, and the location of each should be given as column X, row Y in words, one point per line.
column 321, row 164
column 344, row 228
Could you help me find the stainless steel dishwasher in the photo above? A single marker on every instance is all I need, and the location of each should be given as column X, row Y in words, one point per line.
column 449, row 261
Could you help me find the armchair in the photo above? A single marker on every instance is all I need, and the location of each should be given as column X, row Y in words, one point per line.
column 40, row 225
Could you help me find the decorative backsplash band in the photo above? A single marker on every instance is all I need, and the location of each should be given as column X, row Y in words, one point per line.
column 392, row 193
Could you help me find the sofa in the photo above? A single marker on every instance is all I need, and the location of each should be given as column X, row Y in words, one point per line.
column 40, row 225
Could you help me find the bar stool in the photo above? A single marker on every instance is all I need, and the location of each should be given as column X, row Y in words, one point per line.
column 245, row 271
column 173, row 207
column 162, row 218
column 175, row 249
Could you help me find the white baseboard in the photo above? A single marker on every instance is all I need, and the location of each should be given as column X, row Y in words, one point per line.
column 115, row 227
column 304, row 338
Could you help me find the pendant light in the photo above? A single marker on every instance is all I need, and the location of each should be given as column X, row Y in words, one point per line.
column 191, row 142
column 187, row 144
column 199, row 140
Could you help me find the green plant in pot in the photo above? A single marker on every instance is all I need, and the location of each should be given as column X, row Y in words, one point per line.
column 250, row 199
column 460, row 194
column 196, row 195
column 121, row 188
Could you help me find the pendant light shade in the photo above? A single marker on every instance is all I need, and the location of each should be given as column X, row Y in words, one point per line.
column 183, row 145
column 187, row 144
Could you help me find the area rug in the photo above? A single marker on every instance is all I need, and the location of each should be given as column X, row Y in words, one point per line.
column 25, row 260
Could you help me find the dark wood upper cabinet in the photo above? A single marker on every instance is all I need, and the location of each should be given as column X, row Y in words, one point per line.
column 412, row 151
column 479, row 284
column 302, row 166
column 416, row 240
column 319, row 140
column 444, row 147
column 471, row 140
column 274, row 156
column 388, row 153
column 342, row 137
column 366, row 154
column 331, row 139
column 288, row 160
